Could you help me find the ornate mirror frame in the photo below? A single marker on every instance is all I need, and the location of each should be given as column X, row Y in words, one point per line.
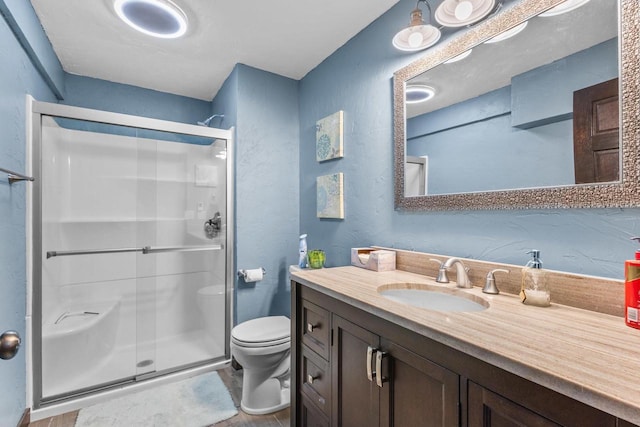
column 622, row 194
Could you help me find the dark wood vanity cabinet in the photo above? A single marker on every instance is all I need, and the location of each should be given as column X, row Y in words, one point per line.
column 354, row 369
column 378, row 383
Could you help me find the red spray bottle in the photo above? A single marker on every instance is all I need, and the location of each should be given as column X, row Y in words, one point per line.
column 632, row 289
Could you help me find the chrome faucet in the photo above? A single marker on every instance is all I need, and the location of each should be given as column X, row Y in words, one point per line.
column 462, row 278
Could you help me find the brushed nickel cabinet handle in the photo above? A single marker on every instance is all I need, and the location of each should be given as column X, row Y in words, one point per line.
column 379, row 379
column 311, row 378
column 9, row 344
column 370, row 374
column 311, row 327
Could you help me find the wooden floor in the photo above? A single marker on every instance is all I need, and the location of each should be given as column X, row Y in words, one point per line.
column 231, row 378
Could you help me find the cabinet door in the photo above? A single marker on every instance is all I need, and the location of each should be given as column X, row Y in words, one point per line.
column 418, row 392
column 488, row 409
column 355, row 395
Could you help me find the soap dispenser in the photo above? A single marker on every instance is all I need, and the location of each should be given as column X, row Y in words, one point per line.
column 632, row 289
column 302, row 252
column 534, row 289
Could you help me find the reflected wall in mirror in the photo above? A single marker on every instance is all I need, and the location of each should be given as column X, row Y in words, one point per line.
column 529, row 121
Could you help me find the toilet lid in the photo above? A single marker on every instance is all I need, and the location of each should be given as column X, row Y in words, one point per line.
column 263, row 330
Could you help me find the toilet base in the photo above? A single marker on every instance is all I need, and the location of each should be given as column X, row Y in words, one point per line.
column 264, row 397
column 285, row 401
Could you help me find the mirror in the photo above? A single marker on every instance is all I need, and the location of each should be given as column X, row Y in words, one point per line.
column 531, row 121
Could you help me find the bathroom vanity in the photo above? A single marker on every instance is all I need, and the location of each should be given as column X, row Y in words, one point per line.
column 360, row 359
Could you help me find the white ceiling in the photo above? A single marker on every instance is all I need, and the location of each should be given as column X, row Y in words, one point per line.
column 286, row 37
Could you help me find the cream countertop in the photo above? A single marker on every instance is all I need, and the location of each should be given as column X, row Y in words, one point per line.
column 588, row 356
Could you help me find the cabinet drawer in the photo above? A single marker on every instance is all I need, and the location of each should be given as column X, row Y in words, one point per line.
column 310, row 416
column 316, row 380
column 315, row 329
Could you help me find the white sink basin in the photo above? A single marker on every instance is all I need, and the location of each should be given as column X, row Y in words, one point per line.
column 432, row 297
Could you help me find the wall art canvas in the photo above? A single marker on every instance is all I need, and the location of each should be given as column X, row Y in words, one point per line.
column 329, row 133
column 330, row 197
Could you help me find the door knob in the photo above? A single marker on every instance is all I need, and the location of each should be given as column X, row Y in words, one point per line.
column 9, row 344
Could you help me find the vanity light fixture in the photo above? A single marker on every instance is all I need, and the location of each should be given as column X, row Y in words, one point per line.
column 508, row 34
column 565, row 7
column 458, row 57
column 157, row 18
column 417, row 35
column 418, row 93
column 460, row 13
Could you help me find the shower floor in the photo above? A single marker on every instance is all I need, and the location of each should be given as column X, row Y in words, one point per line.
column 171, row 352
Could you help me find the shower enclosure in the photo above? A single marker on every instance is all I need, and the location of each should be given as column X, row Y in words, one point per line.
column 131, row 250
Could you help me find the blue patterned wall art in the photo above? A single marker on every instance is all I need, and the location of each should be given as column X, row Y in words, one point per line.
column 329, row 133
column 330, row 197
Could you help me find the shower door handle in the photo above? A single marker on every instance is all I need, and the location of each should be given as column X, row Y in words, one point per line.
column 145, row 250
column 9, row 344
column 149, row 250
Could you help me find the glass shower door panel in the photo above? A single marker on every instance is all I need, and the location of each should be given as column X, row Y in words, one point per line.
column 189, row 251
column 134, row 254
column 88, row 299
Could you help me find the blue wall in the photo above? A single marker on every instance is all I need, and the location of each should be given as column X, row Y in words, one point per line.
column 24, row 23
column 264, row 108
column 120, row 98
column 18, row 77
column 358, row 79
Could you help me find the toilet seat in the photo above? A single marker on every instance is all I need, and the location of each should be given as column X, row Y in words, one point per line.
column 262, row 332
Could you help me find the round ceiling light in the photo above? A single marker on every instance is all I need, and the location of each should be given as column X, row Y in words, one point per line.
column 157, row 18
column 565, row 7
column 418, row 93
column 508, row 34
column 459, row 13
column 417, row 35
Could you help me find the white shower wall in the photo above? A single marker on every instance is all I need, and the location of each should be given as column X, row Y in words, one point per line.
column 105, row 191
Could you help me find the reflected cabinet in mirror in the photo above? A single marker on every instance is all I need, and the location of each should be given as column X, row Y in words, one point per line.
column 529, row 109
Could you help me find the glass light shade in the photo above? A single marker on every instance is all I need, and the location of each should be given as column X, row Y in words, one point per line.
column 417, row 35
column 463, row 10
column 509, row 33
column 565, row 7
column 460, row 13
column 418, row 93
column 157, row 18
column 409, row 41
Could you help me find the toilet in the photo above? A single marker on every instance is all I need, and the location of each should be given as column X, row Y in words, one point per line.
column 263, row 347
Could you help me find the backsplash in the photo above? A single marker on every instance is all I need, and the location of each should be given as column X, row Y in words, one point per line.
column 587, row 292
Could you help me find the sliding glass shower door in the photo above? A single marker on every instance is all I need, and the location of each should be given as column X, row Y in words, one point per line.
column 133, row 251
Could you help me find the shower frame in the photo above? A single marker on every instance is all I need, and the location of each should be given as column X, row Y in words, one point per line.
column 35, row 112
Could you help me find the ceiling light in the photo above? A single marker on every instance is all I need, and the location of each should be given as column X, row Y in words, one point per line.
column 459, row 57
column 157, row 18
column 508, row 34
column 417, row 35
column 463, row 10
column 565, row 7
column 418, row 93
column 459, row 13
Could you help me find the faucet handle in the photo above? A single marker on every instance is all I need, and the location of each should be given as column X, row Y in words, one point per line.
column 442, row 271
column 490, row 285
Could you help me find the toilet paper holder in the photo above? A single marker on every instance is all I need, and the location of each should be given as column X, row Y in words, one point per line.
column 243, row 273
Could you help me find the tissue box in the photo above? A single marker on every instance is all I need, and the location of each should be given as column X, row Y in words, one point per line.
column 372, row 259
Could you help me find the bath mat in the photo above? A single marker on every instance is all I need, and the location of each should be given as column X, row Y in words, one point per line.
column 195, row 402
